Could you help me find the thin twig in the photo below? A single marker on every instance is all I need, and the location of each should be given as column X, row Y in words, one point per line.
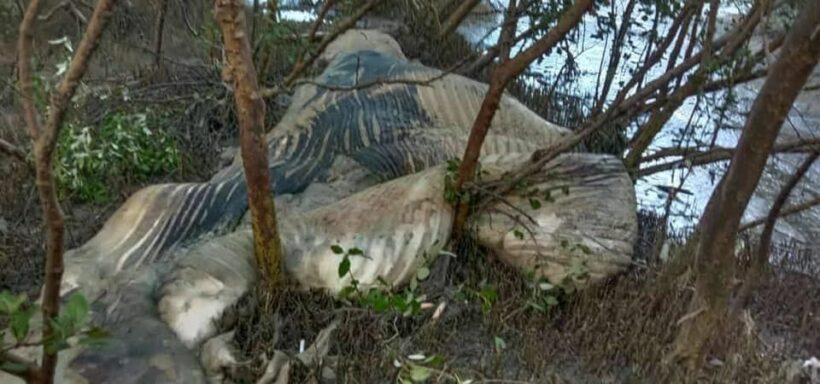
column 787, row 211
column 320, row 18
column 716, row 155
column 303, row 64
column 68, row 5
column 368, row 84
column 29, row 371
column 12, row 151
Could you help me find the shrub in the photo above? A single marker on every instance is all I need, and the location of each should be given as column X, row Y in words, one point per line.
column 122, row 148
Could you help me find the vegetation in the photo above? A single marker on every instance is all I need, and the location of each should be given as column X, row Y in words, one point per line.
column 123, row 146
column 695, row 306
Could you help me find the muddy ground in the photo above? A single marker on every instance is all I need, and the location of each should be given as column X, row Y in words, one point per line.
column 615, row 333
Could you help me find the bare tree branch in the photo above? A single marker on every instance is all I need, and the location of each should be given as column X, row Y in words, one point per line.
column 70, row 7
column 693, row 157
column 12, row 150
column 628, row 106
column 615, row 56
column 784, row 212
column 761, row 261
column 29, row 371
column 162, row 8
column 320, row 18
column 303, row 64
column 777, row 207
column 373, row 83
column 24, row 44
column 458, row 16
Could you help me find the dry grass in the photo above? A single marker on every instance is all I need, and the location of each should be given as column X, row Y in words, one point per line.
column 617, row 332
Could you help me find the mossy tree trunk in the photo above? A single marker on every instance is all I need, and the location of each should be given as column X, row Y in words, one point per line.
column 714, row 254
column 250, row 109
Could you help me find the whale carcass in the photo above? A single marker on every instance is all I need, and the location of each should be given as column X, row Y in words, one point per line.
column 358, row 161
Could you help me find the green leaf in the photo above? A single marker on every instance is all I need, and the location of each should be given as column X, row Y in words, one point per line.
column 12, row 367
column 20, row 321
column 435, row 361
column 584, row 249
column 337, row 249
column 344, row 266
column 419, row 373
column 399, row 303
column 535, row 203
column 489, row 293
column 564, row 243
column 550, row 300
column 10, row 303
column 548, row 197
column 423, row 273
column 355, row 252
column 565, row 189
column 500, row 344
column 74, row 313
column 347, row 292
column 379, row 301
column 518, row 234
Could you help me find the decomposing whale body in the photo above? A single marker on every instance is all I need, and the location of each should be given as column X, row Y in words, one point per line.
column 174, row 256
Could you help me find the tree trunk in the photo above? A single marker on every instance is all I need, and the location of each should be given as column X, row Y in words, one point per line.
column 45, row 141
column 714, row 253
column 250, row 110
